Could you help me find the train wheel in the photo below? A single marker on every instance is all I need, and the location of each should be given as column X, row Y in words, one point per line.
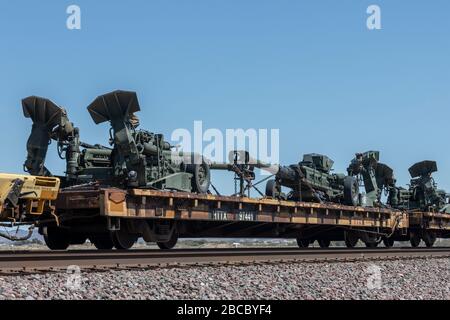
column 56, row 238
column 77, row 238
column 102, row 242
column 414, row 239
column 351, row 239
column 303, row 243
column 169, row 244
column 122, row 239
column 388, row 242
column 371, row 244
column 324, row 243
column 429, row 238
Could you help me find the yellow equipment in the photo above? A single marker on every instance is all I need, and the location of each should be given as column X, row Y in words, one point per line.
column 25, row 195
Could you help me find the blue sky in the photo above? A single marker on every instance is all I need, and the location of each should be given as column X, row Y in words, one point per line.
column 309, row 68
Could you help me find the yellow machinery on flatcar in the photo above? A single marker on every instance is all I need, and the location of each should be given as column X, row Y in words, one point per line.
column 25, row 196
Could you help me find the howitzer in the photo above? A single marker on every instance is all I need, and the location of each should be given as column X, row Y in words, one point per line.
column 375, row 175
column 84, row 162
column 141, row 158
column 312, row 180
column 424, row 194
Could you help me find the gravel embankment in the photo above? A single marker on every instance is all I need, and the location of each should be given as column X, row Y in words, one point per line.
column 403, row 279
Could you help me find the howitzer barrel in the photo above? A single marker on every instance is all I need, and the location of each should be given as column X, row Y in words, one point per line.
column 94, row 146
column 227, row 166
column 244, row 157
column 240, row 157
column 220, row 166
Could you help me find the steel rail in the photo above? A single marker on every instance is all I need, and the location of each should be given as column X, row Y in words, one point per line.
column 19, row 254
column 42, row 261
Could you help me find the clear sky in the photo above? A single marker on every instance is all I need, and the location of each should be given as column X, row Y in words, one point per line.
column 309, row 68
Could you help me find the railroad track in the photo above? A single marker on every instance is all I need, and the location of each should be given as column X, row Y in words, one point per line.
column 19, row 262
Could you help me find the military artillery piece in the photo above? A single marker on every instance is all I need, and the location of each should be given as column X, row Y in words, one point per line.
column 84, row 162
column 312, row 180
column 309, row 181
column 423, row 189
column 423, row 194
column 375, row 175
column 138, row 158
column 141, row 158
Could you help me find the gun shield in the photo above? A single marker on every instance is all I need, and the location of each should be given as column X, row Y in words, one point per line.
column 114, row 106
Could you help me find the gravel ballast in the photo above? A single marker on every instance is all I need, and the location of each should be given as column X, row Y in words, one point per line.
column 400, row 279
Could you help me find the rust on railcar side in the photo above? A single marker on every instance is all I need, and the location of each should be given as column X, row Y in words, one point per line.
column 430, row 220
column 152, row 204
column 78, row 199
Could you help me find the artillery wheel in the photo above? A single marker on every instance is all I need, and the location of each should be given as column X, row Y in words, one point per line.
column 56, row 238
column 429, row 238
column 122, row 239
column 271, row 189
column 201, row 177
column 351, row 239
column 303, row 243
column 102, row 242
column 324, row 243
column 415, row 239
column 388, row 242
column 169, row 244
column 351, row 191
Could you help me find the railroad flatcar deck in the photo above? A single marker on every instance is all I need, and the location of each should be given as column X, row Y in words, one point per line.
column 153, row 204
